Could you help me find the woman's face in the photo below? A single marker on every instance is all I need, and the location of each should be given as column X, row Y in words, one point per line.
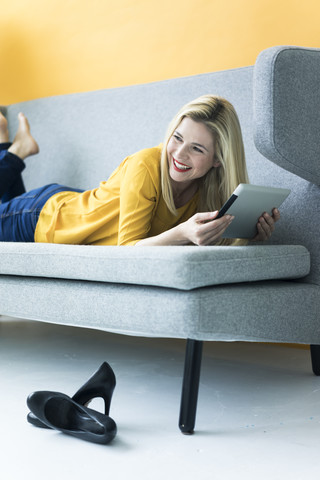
column 190, row 152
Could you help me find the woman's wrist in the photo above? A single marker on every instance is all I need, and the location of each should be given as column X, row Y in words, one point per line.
column 174, row 236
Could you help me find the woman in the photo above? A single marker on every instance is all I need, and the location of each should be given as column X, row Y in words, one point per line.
column 167, row 195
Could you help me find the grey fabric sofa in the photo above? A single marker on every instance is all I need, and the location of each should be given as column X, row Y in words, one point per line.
column 263, row 293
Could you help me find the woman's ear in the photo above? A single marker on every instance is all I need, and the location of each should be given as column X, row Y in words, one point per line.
column 216, row 163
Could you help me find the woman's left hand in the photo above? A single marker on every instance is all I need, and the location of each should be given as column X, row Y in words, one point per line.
column 265, row 225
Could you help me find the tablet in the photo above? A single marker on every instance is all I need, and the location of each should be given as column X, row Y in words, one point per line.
column 247, row 203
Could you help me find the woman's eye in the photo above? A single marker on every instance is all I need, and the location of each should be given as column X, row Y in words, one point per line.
column 197, row 149
column 179, row 139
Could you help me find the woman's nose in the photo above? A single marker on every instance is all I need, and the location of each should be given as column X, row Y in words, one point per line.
column 182, row 151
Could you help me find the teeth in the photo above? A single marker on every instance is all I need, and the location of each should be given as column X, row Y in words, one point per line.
column 180, row 165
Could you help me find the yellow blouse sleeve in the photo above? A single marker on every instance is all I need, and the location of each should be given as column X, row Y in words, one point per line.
column 139, row 196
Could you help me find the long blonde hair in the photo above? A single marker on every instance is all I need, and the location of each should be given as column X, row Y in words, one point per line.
column 221, row 119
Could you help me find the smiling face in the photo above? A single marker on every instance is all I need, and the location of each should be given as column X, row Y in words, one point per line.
column 190, row 152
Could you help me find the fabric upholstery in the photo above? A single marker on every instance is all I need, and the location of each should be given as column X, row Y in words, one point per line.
column 261, row 311
column 286, row 109
column 83, row 137
column 175, row 267
column 286, row 122
column 207, row 293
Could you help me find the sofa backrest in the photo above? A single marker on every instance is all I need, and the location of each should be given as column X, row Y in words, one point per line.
column 84, row 136
column 286, row 126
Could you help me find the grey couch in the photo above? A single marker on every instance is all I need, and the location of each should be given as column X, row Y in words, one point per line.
column 263, row 293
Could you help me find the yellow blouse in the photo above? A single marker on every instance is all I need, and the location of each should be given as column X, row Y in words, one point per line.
column 121, row 211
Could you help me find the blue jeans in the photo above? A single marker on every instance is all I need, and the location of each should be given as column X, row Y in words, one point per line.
column 20, row 210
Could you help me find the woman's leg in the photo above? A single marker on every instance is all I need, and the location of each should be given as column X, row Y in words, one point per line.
column 4, row 133
column 19, row 216
column 11, row 183
column 23, row 145
column 12, row 156
column 9, row 170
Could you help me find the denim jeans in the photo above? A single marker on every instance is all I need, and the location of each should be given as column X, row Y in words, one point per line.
column 11, row 166
column 20, row 210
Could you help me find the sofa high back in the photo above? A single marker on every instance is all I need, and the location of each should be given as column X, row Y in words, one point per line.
column 286, row 126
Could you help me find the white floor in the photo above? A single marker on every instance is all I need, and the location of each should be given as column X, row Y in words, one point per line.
column 258, row 410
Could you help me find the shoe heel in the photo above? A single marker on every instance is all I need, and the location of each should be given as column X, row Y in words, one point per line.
column 101, row 384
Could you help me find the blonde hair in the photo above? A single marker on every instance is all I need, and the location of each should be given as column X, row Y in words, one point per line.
column 221, row 119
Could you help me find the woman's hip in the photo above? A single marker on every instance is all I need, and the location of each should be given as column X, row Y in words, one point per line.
column 19, row 216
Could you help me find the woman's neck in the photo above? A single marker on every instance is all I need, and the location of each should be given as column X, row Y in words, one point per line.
column 182, row 194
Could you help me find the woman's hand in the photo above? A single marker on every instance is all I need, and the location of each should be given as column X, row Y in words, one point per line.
column 200, row 229
column 265, row 225
column 203, row 229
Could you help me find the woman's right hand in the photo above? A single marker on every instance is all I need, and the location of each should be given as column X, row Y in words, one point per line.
column 203, row 229
column 200, row 229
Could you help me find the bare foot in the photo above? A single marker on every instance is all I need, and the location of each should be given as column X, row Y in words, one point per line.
column 24, row 144
column 4, row 134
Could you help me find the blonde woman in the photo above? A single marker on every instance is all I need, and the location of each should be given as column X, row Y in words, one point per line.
column 166, row 195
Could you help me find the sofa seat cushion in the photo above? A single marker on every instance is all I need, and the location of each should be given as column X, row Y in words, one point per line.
column 183, row 267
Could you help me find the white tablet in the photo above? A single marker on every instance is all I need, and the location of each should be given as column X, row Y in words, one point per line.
column 247, row 203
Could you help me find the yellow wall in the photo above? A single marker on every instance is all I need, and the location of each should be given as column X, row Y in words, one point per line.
column 50, row 47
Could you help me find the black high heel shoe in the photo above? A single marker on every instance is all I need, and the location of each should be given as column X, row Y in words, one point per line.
column 58, row 411
column 101, row 384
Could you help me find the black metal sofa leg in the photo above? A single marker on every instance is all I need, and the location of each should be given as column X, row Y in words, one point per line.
column 315, row 358
column 190, row 386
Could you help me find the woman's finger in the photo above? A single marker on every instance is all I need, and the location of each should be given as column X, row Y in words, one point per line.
column 267, row 222
column 275, row 215
column 212, row 232
column 265, row 227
